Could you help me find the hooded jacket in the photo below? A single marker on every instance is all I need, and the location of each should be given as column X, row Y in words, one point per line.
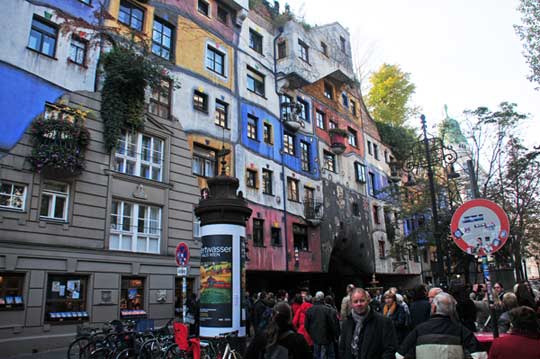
column 300, row 320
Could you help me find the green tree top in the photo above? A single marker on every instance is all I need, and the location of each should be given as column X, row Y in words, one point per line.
column 388, row 98
column 529, row 33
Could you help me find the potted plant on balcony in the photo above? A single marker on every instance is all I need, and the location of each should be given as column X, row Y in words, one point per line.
column 338, row 137
column 59, row 144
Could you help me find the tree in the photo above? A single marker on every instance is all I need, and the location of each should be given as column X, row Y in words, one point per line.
column 389, row 96
column 529, row 33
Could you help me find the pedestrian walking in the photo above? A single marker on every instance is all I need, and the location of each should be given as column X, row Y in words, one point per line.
column 323, row 327
column 346, row 302
column 300, row 319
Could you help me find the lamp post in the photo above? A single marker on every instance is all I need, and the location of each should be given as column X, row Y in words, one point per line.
column 424, row 154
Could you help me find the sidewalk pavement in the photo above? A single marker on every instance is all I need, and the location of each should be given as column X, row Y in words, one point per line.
column 51, row 354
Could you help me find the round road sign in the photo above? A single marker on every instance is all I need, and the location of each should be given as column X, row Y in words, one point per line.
column 182, row 254
column 480, row 227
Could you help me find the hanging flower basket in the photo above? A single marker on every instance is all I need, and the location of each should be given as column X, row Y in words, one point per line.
column 59, row 146
column 338, row 137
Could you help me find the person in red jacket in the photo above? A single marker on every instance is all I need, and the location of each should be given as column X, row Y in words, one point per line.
column 300, row 318
column 524, row 339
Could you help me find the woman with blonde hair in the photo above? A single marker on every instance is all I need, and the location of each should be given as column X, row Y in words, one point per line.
column 397, row 314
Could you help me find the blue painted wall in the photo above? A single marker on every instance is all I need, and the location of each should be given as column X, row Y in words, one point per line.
column 22, row 98
column 381, row 181
column 272, row 151
column 77, row 8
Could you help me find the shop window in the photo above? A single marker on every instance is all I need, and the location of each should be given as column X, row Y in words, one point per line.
column 132, row 298
column 258, row 232
column 300, row 237
column 66, row 298
column 11, row 291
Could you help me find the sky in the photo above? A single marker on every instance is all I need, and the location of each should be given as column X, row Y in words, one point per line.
column 462, row 53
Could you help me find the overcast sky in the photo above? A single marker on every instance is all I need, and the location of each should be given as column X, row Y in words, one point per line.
column 463, row 53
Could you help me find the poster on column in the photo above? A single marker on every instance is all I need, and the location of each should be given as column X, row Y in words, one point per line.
column 216, row 281
column 243, row 305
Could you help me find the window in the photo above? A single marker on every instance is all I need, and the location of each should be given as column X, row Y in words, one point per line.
column 54, row 201
column 251, row 178
column 132, row 297
column 221, row 113
column 328, row 91
column 215, row 60
column 77, row 50
column 276, row 236
column 355, row 209
column 282, row 49
column 353, row 140
column 300, row 237
column 12, row 196
column 160, row 100
column 372, row 183
column 66, row 298
column 370, row 147
column 258, row 232
column 309, row 196
column 87, row 2
column 376, row 151
column 304, row 51
column 255, row 41
column 353, row 108
column 268, row 133
column 204, row 161
column 267, row 181
column 376, row 218
column 324, row 49
column 285, row 109
column 222, row 14
column 131, row 15
column 162, row 39
column 200, row 101
column 292, row 189
column 343, row 43
column 329, row 161
column 304, row 156
column 345, row 100
column 304, row 110
column 360, row 172
column 332, row 124
column 381, row 250
column 255, row 81
column 139, row 154
column 319, row 119
column 135, row 227
column 11, row 290
column 288, row 144
column 385, row 156
column 43, row 36
column 252, row 127
column 203, row 7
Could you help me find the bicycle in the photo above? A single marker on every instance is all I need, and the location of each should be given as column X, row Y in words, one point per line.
column 217, row 348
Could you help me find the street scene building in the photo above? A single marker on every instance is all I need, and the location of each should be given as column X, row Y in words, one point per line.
column 92, row 210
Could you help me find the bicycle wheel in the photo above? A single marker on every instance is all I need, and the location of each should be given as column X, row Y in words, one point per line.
column 151, row 349
column 126, row 353
column 76, row 348
column 100, row 353
column 173, row 352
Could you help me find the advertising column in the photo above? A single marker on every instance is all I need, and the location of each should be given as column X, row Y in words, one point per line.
column 223, row 215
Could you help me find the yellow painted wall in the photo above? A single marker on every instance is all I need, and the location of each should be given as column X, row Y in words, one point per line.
column 191, row 52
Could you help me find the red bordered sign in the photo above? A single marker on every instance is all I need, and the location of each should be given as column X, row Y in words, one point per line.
column 480, row 227
column 182, row 254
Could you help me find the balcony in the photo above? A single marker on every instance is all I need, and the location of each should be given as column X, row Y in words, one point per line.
column 313, row 211
column 338, row 138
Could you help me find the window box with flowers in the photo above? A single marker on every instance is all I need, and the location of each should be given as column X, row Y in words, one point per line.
column 338, row 138
column 60, row 140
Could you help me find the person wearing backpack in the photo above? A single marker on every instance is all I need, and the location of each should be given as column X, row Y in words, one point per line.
column 278, row 340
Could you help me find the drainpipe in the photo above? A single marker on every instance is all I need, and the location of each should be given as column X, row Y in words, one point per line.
column 280, row 29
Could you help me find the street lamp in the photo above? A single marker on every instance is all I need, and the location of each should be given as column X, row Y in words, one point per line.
column 423, row 155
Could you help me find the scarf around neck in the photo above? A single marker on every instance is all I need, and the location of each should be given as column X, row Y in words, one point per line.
column 359, row 322
column 389, row 310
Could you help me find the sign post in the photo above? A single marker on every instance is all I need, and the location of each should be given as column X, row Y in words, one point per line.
column 480, row 227
column 182, row 259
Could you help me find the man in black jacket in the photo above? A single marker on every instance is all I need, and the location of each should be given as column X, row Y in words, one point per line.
column 323, row 327
column 366, row 334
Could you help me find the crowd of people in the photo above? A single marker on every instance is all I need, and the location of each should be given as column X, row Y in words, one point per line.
column 420, row 323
